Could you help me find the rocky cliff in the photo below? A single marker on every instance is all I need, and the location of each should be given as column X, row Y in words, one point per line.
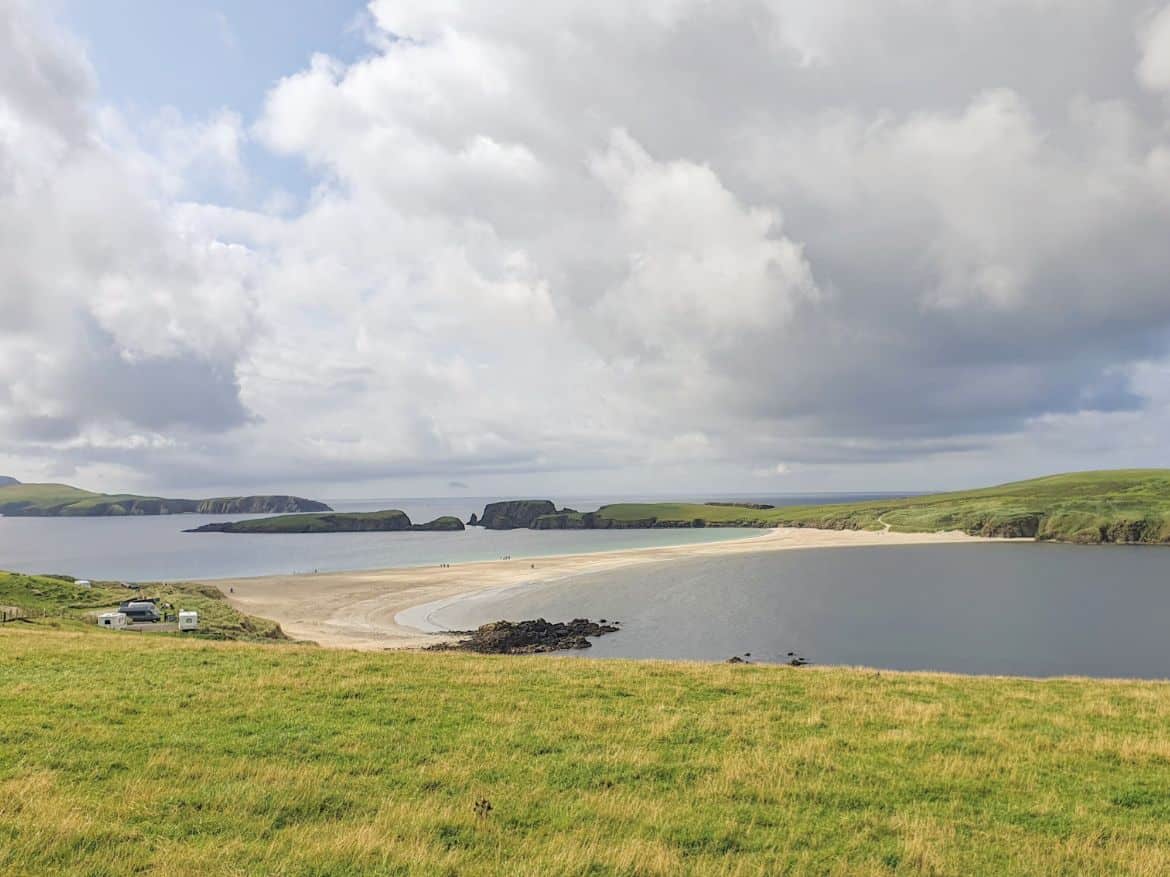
column 567, row 519
column 514, row 514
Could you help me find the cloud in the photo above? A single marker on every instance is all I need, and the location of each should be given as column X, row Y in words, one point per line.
column 1154, row 66
column 670, row 236
column 111, row 315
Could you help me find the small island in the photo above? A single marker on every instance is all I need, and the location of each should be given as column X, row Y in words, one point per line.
column 387, row 521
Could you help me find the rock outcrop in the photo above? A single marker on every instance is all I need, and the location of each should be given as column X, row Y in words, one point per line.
column 529, row 637
column 7, row 481
column 447, row 523
column 515, row 514
column 567, row 519
column 1016, row 527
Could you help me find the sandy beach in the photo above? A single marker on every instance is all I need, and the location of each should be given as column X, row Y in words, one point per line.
column 387, row 609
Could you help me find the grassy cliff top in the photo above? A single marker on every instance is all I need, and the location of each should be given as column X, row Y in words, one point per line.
column 44, row 496
column 125, row 754
column 1123, row 505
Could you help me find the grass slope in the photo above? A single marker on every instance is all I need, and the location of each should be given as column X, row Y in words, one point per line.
column 126, row 755
column 1110, row 506
column 55, row 602
column 43, row 497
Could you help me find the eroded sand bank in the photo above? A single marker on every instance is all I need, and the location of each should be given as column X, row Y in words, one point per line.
column 379, row 609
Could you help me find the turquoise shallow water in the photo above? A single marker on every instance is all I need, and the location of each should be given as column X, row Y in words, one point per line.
column 1007, row 608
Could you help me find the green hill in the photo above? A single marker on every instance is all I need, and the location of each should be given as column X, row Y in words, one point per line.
column 62, row 500
column 1124, row 505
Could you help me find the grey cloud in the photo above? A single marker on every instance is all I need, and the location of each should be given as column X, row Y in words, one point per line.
column 612, row 234
column 156, row 393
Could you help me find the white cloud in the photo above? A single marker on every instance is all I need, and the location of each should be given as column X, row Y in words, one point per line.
column 605, row 234
column 1154, row 65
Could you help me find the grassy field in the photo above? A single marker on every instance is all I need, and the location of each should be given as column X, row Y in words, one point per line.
column 1088, row 507
column 55, row 602
column 122, row 754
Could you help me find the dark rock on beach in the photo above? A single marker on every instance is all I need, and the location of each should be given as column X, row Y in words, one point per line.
column 528, row 637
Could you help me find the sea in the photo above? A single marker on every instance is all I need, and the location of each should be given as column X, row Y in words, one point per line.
column 996, row 608
column 1020, row 609
column 156, row 548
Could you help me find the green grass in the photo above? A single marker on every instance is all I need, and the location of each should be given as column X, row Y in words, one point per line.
column 55, row 602
column 126, row 755
column 42, row 498
column 1088, row 507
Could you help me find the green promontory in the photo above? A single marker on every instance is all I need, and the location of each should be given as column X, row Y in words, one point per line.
column 390, row 520
column 1125, row 506
column 61, row 500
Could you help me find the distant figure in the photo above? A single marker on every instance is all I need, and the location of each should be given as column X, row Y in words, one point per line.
column 231, row 590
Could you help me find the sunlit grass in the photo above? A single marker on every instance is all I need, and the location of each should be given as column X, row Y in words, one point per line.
column 126, row 755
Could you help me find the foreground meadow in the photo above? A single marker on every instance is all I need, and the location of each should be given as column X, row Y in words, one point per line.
column 123, row 754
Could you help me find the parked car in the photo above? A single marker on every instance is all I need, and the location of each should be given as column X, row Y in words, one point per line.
column 140, row 610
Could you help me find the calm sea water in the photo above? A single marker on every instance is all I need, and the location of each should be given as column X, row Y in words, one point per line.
column 1016, row 609
column 156, row 548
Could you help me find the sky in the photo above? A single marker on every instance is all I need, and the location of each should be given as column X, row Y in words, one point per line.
column 604, row 247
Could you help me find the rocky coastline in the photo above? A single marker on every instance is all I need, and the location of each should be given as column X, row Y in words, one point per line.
column 528, row 637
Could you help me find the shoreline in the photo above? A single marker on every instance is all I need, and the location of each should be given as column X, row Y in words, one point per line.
column 390, row 608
